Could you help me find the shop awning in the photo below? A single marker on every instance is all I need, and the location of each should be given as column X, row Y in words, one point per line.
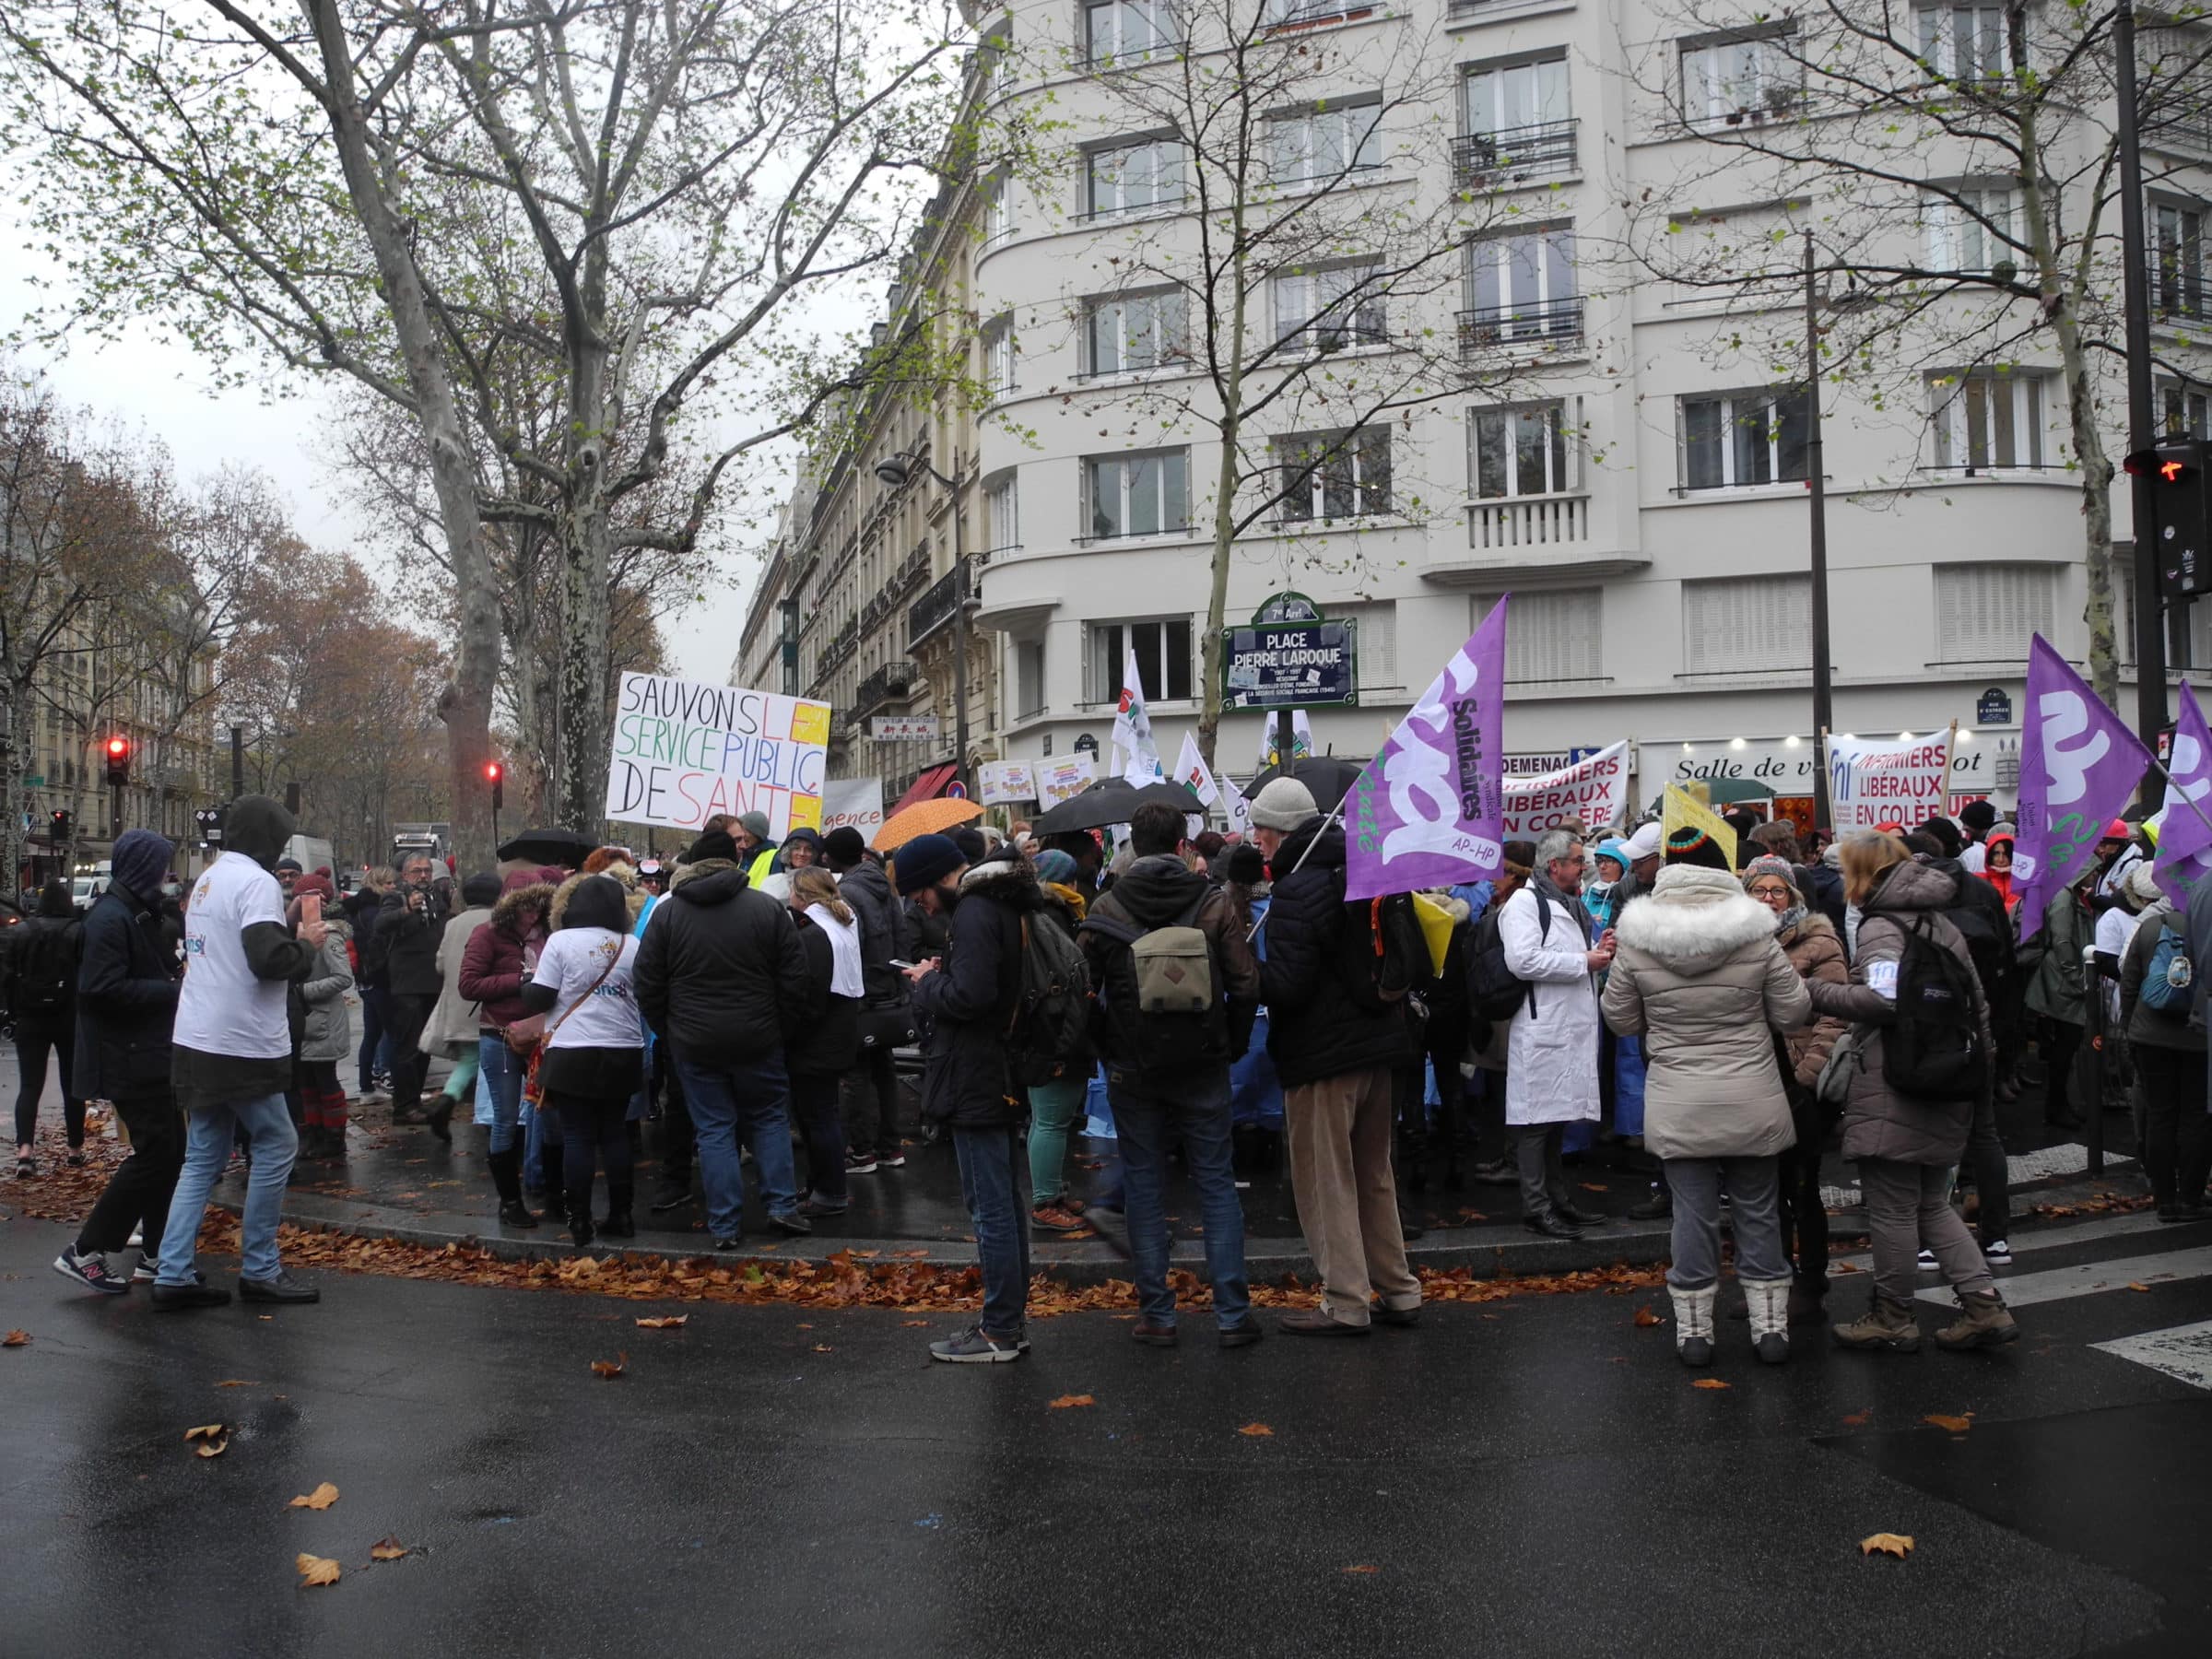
column 929, row 784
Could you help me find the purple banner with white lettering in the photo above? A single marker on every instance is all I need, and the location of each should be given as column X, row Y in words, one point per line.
column 2185, row 837
column 2079, row 765
column 1430, row 810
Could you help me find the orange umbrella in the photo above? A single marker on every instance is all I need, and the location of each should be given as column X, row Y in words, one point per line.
column 924, row 817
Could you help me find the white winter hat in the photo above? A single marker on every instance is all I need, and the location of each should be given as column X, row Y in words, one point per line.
column 1283, row 805
column 1646, row 843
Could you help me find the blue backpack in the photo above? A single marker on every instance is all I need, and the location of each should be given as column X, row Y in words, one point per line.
column 2169, row 982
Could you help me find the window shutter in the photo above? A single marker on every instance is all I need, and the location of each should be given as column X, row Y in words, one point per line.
column 1378, row 641
column 1577, row 442
column 1552, row 636
column 1290, row 306
column 1746, row 625
column 1986, row 612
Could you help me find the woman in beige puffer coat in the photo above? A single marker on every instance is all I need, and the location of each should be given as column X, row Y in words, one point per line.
column 1699, row 977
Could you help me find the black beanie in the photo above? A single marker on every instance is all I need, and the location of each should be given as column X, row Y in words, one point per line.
column 481, row 890
column 1691, row 845
column 1978, row 816
column 714, row 843
column 924, row 862
column 844, row 848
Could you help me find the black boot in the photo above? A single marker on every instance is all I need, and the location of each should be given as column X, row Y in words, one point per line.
column 620, row 1196
column 579, row 1207
column 506, row 1175
column 440, row 1119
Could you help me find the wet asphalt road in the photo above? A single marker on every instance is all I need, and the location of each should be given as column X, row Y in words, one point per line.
column 1532, row 1476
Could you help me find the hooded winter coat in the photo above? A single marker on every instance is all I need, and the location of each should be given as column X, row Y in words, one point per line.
column 328, row 1033
column 2057, row 988
column 972, row 1000
column 404, row 947
column 2144, row 1024
column 1702, row 979
column 127, row 999
column 827, row 1040
column 43, row 956
column 456, row 1021
column 721, row 973
column 1879, row 1122
column 1315, row 1028
column 1158, row 892
column 1552, row 1042
column 883, row 934
column 1816, row 950
column 495, row 957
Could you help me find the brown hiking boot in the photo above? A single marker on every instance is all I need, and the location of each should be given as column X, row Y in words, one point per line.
column 1983, row 1322
column 1887, row 1324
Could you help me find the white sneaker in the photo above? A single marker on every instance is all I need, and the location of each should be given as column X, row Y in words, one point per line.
column 137, row 1240
column 1999, row 1254
column 1927, row 1261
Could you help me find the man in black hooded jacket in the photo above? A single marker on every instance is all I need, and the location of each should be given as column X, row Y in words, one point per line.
column 1166, row 1074
column 887, row 1012
column 42, row 992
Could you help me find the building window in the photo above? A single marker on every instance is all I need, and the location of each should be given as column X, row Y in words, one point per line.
column 2185, row 409
column 1988, row 419
column 1029, row 678
column 998, row 356
column 2177, row 246
column 998, row 209
column 1741, row 76
column 1965, row 43
column 1137, row 331
column 1334, row 475
column 1744, row 437
column 1518, row 451
column 1747, row 625
column 1521, row 287
column 1132, row 177
column 1329, row 308
column 1129, row 32
column 1986, row 612
column 1002, row 515
column 1552, row 635
column 1375, row 648
column 1517, row 119
column 1973, row 230
column 2188, row 623
column 1163, row 658
column 1138, row 494
column 1320, row 144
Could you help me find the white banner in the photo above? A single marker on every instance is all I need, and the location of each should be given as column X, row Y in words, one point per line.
column 1592, row 792
column 1007, row 782
column 1234, row 804
column 857, row 802
column 1870, row 785
column 685, row 751
column 1192, row 770
column 1068, row 775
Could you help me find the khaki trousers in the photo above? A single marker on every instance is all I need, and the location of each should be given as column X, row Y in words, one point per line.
column 1348, row 1197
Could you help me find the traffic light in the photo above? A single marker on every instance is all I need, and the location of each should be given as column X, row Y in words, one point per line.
column 119, row 760
column 496, row 775
column 59, row 831
column 2178, row 478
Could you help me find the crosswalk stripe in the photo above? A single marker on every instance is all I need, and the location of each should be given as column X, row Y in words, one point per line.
column 2184, row 1351
column 2052, row 1238
column 2068, row 1157
column 2056, row 1284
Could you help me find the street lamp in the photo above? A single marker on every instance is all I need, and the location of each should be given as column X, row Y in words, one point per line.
column 894, row 471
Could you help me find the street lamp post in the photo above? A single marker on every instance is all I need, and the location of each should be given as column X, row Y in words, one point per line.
column 2150, row 632
column 1817, row 491
column 895, row 470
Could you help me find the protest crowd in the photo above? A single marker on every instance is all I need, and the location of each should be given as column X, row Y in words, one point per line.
column 1725, row 999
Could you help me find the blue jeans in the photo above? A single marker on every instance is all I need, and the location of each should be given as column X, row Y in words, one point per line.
column 1151, row 1116
column 373, row 1057
column 501, row 1068
column 751, row 1099
column 207, row 1149
column 989, row 1159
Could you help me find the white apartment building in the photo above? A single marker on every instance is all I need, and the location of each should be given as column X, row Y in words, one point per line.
column 1636, row 480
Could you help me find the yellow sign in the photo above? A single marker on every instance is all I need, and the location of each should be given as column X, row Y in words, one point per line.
column 1680, row 810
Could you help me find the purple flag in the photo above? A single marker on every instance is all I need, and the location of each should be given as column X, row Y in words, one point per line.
column 1430, row 810
column 2184, row 838
column 2078, row 767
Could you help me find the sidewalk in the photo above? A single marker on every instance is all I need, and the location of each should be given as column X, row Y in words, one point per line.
column 402, row 1183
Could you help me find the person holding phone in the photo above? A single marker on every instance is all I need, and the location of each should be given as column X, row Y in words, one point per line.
column 326, row 1039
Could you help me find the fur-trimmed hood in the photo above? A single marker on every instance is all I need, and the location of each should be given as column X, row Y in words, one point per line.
column 708, row 881
column 623, row 874
column 1694, row 919
column 507, row 914
column 1006, row 876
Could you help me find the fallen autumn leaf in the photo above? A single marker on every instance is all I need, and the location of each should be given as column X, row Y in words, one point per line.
column 1895, row 1543
column 2135, row 1285
column 1647, row 1319
column 236, row 1382
column 387, row 1549
column 1065, row 1401
column 668, row 1322
column 15, row 1339
column 1954, row 1425
column 322, row 1498
column 1711, row 1383
column 1255, row 1429
column 315, row 1569
column 610, row 1368
column 1859, row 1419
column 1363, row 1568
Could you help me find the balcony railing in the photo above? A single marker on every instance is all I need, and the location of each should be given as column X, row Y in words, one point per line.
column 893, row 680
column 840, row 644
column 1536, row 522
column 1548, row 325
column 1487, row 159
column 936, row 608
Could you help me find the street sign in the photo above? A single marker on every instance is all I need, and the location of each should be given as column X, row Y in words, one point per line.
column 1291, row 665
column 1993, row 708
column 34, row 783
column 904, row 728
column 1286, row 607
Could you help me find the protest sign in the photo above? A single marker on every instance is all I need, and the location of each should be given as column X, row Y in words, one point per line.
column 1870, row 785
column 1061, row 779
column 854, row 802
column 1682, row 810
column 1591, row 792
column 2184, row 838
column 685, row 751
column 2079, row 764
column 1430, row 810
column 1007, row 782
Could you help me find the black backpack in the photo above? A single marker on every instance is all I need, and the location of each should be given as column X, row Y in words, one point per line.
column 1934, row 1049
column 1389, row 953
column 44, row 966
column 1051, row 1022
column 1495, row 992
column 1162, row 995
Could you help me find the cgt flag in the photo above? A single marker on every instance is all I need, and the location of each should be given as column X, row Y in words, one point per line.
column 1192, row 769
column 1430, row 810
column 2184, row 838
column 1138, row 756
column 2079, row 764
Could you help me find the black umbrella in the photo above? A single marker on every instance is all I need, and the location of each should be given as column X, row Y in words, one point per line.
column 1330, row 777
column 1110, row 801
column 566, row 848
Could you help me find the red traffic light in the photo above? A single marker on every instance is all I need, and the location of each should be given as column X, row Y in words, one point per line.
column 119, row 749
column 493, row 772
column 2171, row 470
